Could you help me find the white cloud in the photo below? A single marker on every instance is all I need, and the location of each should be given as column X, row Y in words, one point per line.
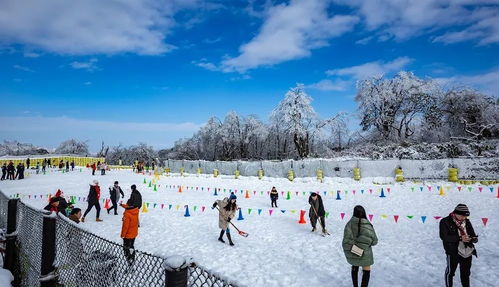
column 31, row 55
column 203, row 63
column 403, row 19
column 487, row 82
column 90, row 66
column 370, row 69
column 328, row 85
column 290, row 32
column 23, row 68
column 82, row 27
column 87, row 83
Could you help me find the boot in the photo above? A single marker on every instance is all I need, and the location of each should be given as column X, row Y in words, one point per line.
column 230, row 240
column 355, row 276
column 220, row 237
column 313, row 229
column 366, row 274
column 108, row 210
column 98, row 220
column 82, row 219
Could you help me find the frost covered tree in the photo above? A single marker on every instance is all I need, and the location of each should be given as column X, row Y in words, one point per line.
column 394, row 107
column 230, row 136
column 295, row 116
column 72, row 146
column 17, row 148
column 254, row 135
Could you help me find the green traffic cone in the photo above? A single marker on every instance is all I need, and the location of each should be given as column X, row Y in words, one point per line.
column 150, row 184
column 155, row 188
column 145, row 180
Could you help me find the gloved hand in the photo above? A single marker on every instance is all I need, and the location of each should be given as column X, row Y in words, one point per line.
column 228, row 219
column 214, row 205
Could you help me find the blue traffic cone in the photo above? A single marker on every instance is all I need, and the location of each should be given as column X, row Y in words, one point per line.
column 338, row 195
column 240, row 215
column 187, row 211
column 215, row 192
column 382, row 193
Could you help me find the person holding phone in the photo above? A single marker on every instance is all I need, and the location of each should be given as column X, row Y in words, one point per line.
column 458, row 238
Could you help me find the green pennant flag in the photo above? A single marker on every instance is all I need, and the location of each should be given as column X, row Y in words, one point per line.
column 249, row 210
column 410, row 216
column 304, row 193
column 346, row 191
column 261, row 192
column 148, row 204
column 470, row 188
column 327, row 214
column 195, row 207
column 412, row 188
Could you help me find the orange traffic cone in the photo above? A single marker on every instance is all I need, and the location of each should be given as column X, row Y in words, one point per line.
column 247, row 194
column 106, row 204
column 302, row 217
column 180, row 189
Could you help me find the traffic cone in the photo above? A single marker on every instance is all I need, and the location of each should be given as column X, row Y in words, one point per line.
column 187, row 211
column 215, row 193
column 441, row 193
column 498, row 192
column 155, row 189
column 150, row 184
column 106, row 205
column 145, row 180
column 302, row 217
column 247, row 194
column 240, row 215
column 144, row 208
column 179, row 189
column 338, row 195
column 289, row 196
column 382, row 193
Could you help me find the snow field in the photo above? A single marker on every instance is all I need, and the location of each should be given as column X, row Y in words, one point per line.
column 279, row 251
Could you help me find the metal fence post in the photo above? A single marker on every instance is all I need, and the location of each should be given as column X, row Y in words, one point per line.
column 10, row 254
column 176, row 271
column 47, row 277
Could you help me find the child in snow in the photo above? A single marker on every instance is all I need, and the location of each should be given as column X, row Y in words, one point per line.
column 63, row 204
column 94, row 167
column 317, row 212
column 114, row 193
column 130, row 229
column 93, row 200
column 75, row 215
column 274, row 195
column 226, row 211
column 359, row 232
column 458, row 238
column 53, row 206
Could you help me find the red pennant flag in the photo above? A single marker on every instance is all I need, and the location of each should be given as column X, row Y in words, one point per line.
column 268, row 192
column 254, row 191
column 282, row 193
column 396, row 217
column 437, row 217
column 429, row 188
column 270, row 211
column 388, row 189
column 162, row 205
column 297, row 193
column 484, row 220
column 342, row 215
column 459, row 188
column 353, row 191
column 208, row 189
column 202, row 208
column 480, row 188
column 370, row 191
column 371, row 217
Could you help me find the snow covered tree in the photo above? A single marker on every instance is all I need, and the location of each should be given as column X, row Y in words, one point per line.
column 394, row 107
column 296, row 116
column 254, row 134
column 72, row 146
column 17, row 148
column 230, row 136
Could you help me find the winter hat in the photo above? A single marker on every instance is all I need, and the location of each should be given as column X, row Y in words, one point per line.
column 133, row 187
column 95, row 182
column 462, row 209
column 232, row 196
column 58, row 193
column 116, row 182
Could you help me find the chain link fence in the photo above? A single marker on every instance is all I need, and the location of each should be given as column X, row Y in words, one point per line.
column 85, row 259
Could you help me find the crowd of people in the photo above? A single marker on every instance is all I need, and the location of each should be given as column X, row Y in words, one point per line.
column 130, row 225
column 9, row 171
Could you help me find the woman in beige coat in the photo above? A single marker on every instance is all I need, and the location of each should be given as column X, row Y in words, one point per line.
column 226, row 211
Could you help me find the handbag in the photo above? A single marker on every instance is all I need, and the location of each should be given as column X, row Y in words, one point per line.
column 357, row 250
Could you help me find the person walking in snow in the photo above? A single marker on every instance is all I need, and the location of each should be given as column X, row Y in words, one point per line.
column 11, row 170
column 359, row 236
column 103, row 167
column 226, row 211
column 67, row 166
column 458, row 238
column 114, row 193
column 317, row 212
column 130, row 229
column 44, row 165
column 93, row 200
column 72, row 165
column 93, row 168
column 274, row 196
column 4, row 171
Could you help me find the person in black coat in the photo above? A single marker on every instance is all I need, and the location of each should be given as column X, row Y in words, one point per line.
column 317, row 211
column 11, row 170
column 67, row 166
column 27, row 163
column 114, row 193
column 458, row 238
column 274, row 196
column 93, row 200
column 63, row 204
column 135, row 200
column 4, row 171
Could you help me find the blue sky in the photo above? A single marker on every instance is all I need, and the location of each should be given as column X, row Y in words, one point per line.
column 154, row 71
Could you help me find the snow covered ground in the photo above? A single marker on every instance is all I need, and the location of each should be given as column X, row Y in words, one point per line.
column 279, row 251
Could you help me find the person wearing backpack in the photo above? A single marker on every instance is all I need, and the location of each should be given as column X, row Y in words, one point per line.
column 358, row 238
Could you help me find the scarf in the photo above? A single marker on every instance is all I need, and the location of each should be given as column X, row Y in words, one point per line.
column 461, row 225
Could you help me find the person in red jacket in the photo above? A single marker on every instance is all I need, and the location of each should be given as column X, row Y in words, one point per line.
column 94, row 167
column 53, row 206
column 93, row 200
column 129, row 230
